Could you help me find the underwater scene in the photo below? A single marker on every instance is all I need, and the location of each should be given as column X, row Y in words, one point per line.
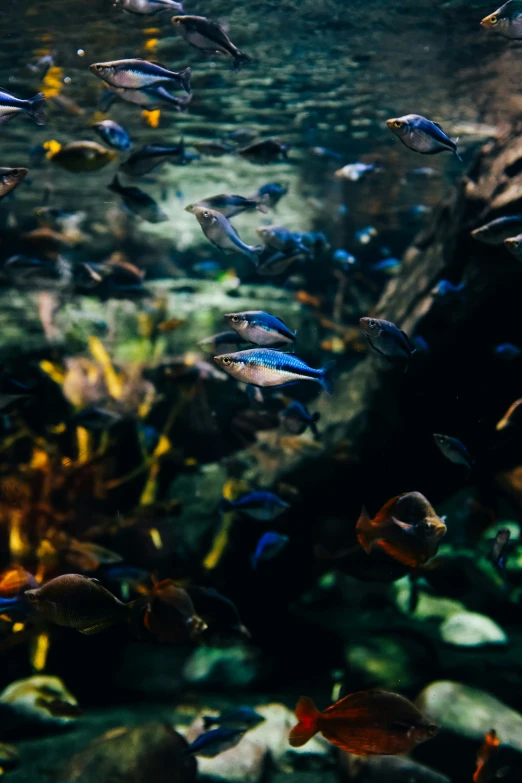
column 261, row 391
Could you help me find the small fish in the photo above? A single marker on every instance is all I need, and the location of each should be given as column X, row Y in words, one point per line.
column 487, row 752
column 10, row 179
column 42, row 65
column 83, row 156
column 222, row 234
column 87, row 556
column 214, row 149
column 514, row 246
column 230, row 205
column 506, row 20
column 295, row 419
column 344, row 260
column 281, row 238
column 354, row 171
column 507, row 351
column 58, row 708
column 76, row 601
column 223, row 341
column 388, row 265
column 265, row 151
column 273, row 191
column 216, row 741
column 453, row 449
column 171, row 616
column 138, row 201
column 261, row 328
column 511, row 416
column 242, row 135
column 147, row 7
column 266, row 367
column 446, row 288
column 421, row 135
column 139, row 74
column 497, row 231
column 262, row 506
column 269, row 546
column 15, row 581
column 365, row 235
column 149, row 157
column 242, row 717
column 218, row 611
column 113, row 134
column 324, row 152
column 209, row 37
column 11, row 106
column 366, row 723
column 170, row 325
column 386, row 338
column 95, row 419
column 500, row 548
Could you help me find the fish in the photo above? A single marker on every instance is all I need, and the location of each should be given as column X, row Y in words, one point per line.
column 262, row 506
column 147, row 7
column 170, row 615
column 497, row 231
column 10, row 107
column 354, row 171
column 222, row 341
column 500, row 549
column 422, row 135
column 86, row 555
column 16, row 580
column 281, row 238
column 324, row 152
column 265, row 151
column 514, row 246
column 388, row 265
column 453, row 449
column 231, row 205
column 149, row 157
column 261, row 328
column 446, row 288
column 272, row 191
column 42, row 66
column 214, row 149
column 345, row 260
column 218, row 611
column 407, row 528
column 113, row 134
column 365, row 235
column 137, row 74
column 488, row 750
column 506, row 20
column 216, row 741
column 279, row 262
column 58, row 708
column 295, row 419
column 209, row 37
column 83, row 156
column 511, row 416
column 266, row 367
column 269, row 546
column 386, row 338
column 241, row 717
column 151, row 98
column 507, row 351
column 366, row 723
column 95, row 419
column 10, row 178
column 76, row 601
column 222, row 234
column 138, row 202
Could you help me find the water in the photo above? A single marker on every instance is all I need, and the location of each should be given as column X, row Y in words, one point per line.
column 127, row 452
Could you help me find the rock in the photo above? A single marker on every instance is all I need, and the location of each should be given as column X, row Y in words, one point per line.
column 231, row 666
column 427, row 606
column 471, row 629
column 41, row 699
column 470, row 712
column 389, row 663
column 387, row 769
column 151, row 752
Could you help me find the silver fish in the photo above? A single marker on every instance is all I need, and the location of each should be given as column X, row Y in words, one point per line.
column 260, row 328
column 266, row 367
column 453, row 449
column 386, row 338
column 11, row 106
column 514, row 245
column 421, row 135
column 498, row 230
column 147, row 7
column 222, row 234
column 136, row 74
column 231, row 205
column 506, row 20
column 209, row 38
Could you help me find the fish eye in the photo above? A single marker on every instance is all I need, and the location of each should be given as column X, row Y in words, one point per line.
column 31, row 597
column 493, row 19
column 397, row 124
column 98, row 67
column 206, row 214
column 176, row 20
column 226, row 360
column 372, row 324
column 235, row 319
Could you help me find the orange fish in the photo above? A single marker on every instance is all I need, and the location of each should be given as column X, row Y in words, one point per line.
column 407, row 528
column 488, row 749
column 15, row 581
column 511, row 416
column 171, row 616
column 303, row 297
column 366, row 723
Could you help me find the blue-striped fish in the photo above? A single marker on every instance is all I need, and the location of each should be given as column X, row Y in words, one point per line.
column 266, row 367
column 136, row 74
column 11, row 106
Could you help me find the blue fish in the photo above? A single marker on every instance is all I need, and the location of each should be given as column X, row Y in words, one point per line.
column 295, row 418
column 11, row 106
column 507, row 351
column 386, row 265
column 365, row 235
column 273, row 191
column 445, row 287
column 256, row 326
column 214, row 742
column 266, row 367
column 421, row 135
column 453, row 449
column 113, row 134
column 344, row 259
column 268, row 546
column 245, row 717
column 262, row 506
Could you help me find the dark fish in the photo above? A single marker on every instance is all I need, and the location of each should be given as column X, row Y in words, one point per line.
column 507, row 351
column 230, row 205
column 269, row 545
column 295, row 418
column 147, row 7
column 388, row 769
column 138, row 201
column 139, row 74
column 113, row 134
column 497, row 231
column 59, row 708
column 278, row 263
column 87, row 556
column 42, row 65
column 214, row 149
column 422, row 135
column 170, row 615
column 265, row 151
column 512, row 416
column 149, row 157
column 273, row 191
column 222, row 341
column 366, row 723
column 218, row 611
column 222, row 234
column 500, row 549
column 214, row 742
column 83, row 156
column 386, row 338
column 453, row 449
column 209, row 37
column 11, row 106
column 262, row 506
column 281, row 238
column 514, row 246
column 10, row 179
column 261, row 328
column 242, row 135
column 266, row 367
column 76, row 601
column 242, row 717
column 506, row 20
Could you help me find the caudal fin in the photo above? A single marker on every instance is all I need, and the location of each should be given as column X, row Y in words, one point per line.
column 263, row 204
column 255, row 252
column 184, row 77
column 307, row 714
column 239, row 59
column 35, row 110
column 326, row 380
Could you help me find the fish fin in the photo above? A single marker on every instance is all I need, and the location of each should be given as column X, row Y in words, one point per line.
column 89, row 630
column 325, row 380
column 35, row 111
column 456, row 150
column 307, row 714
column 184, row 77
column 263, row 204
column 208, row 722
column 238, row 60
column 115, row 185
column 404, row 526
column 255, row 252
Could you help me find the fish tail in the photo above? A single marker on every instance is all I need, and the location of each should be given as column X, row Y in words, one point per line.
column 325, row 379
column 364, row 531
column 307, row 714
column 456, row 150
column 35, row 110
column 239, row 59
column 263, row 204
column 184, row 77
column 255, row 252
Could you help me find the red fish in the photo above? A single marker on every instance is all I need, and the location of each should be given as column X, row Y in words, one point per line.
column 170, row 614
column 488, row 749
column 366, row 723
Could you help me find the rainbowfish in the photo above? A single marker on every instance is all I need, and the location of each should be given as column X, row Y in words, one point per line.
column 421, row 135
column 268, row 546
column 11, row 106
column 113, row 134
column 214, row 742
column 506, row 20
column 136, row 74
column 266, row 367
column 209, row 37
column 147, row 7
column 222, row 234
column 261, row 328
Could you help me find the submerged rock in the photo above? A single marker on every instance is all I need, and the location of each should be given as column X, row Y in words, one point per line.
column 471, row 629
column 392, row 663
column 387, row 769
column 41, row 699
column 228, row 666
